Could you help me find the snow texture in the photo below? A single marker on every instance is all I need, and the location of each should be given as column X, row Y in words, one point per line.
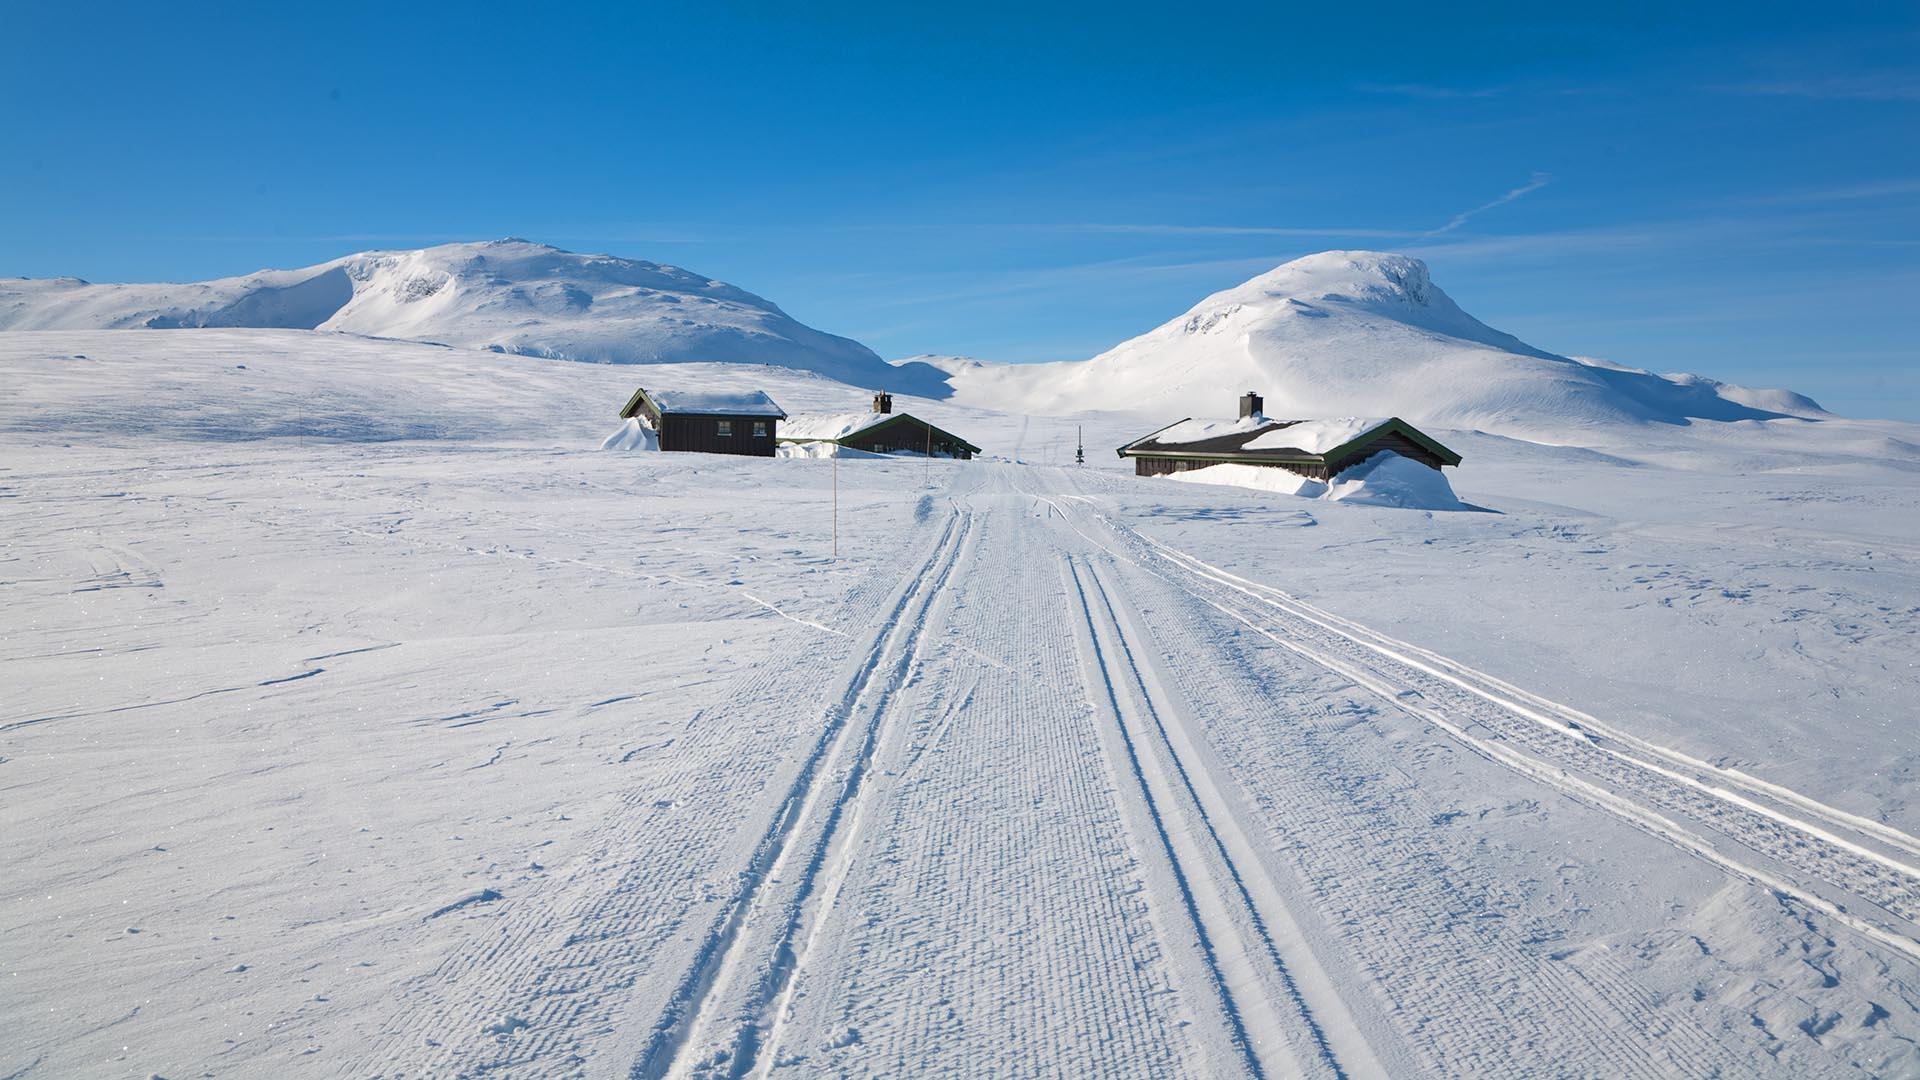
column 505, row 295
column 362, row 718
column 1385, row 479
column 1357, row 333
column 634, row 434
column 716, row 402
column 829, row 427
column 1388, row 479
column 1316, row 436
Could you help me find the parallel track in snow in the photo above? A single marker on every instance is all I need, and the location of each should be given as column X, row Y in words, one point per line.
column 1858, row 872
column 725, row 1013
column 1282, row 1013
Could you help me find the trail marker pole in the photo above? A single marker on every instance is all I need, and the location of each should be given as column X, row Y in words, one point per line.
column 836, row 502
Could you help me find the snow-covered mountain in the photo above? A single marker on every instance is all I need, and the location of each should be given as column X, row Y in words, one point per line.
column 1363, row 333
column 505, row 295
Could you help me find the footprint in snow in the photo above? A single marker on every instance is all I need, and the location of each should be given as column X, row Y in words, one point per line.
column 506, row 1025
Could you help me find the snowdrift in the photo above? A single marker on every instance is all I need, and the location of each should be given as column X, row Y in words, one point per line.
column 507, row 296
column 1357, row 333
column 1385, row 479
column 632, row 435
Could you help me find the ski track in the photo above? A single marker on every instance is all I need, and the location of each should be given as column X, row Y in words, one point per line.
column 1801, row 859
column 1259, row 1032
column 579, row 963
column 997, row 910
column 1192, row 891
column 807, row 831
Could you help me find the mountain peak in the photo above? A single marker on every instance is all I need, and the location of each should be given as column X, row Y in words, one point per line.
column 509, row 295
column 1366, row 333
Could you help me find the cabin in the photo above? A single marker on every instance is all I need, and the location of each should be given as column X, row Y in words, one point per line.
column 1315, row 448
column 879, row 431
column 708, row 422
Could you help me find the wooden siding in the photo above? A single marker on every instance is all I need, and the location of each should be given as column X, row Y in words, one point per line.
column 700, row 433
column 1163, row 466
column 906, row 433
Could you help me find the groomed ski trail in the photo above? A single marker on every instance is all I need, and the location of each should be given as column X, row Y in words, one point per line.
column 1286, row 1018
column 728, row 1002
column 1843, row 878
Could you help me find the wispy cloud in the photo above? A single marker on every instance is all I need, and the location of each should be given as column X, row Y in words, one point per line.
column 1049, row 280
column 1535, row 183
column 1840, row 193
column 1430, row 92
column 1879, row 86
column 1228, row 230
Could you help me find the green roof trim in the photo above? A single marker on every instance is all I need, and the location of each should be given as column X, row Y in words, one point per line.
column 1398, row 426
column 634, row 402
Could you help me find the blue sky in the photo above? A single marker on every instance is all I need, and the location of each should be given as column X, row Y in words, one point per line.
column 1728, row 189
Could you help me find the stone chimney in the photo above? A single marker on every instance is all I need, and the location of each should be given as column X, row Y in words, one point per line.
column 1250, row 405
column 882, row 402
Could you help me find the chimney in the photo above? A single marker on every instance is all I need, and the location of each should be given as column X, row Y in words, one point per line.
column 882, row 402
column 1250, row 405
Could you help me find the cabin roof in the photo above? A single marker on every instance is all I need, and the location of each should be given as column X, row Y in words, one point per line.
column 1259, row 437
column 835, row 427
column 705, row 403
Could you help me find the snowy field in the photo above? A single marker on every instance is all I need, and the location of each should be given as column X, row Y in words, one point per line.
column 363, row 718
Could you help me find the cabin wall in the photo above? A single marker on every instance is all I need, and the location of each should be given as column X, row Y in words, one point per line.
column 1146, row 466
column 701, row 434
column 903, row 435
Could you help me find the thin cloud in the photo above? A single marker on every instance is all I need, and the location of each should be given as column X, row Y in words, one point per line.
column 1842, row 193
column 1535, row 183
column 1430, row 92
column 1886, row 86
column 1231, row 230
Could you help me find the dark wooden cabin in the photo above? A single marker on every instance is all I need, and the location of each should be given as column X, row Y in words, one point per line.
column 1316, row 448
column 881, row 431
column 709, row 422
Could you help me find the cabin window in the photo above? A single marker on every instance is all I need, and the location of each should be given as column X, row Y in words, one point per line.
column 759, row 429
column 726, row 429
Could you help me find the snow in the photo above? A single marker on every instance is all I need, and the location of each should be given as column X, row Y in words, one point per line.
column 363, row 717
column 1316, row 436
column 1355, row 333
column 1385, row 479
column 829, row 427
column 632, row 435
column 1254, row 477
column 716, row 402
column 1192, row 430
column 1388, row 479
column 506, row 295
column 821, row 450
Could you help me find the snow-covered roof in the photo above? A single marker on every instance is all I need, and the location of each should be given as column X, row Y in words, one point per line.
column 1316, row 436
column 830, row 427
column 1193, row 431
column 713, row 402
column 837, row 427
column 1259, row 436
